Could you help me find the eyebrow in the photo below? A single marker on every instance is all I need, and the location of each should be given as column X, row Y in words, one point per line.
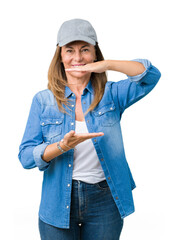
column 87, row 45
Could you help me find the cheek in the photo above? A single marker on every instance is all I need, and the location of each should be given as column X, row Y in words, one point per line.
column 91, row 57
column 94, row 55
column 65, row 59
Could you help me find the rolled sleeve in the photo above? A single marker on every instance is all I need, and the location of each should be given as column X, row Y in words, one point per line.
column 134, row 88
column 37, row 153
column 138, row 77
column 33, row 146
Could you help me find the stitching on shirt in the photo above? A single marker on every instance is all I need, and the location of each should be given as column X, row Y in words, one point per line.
column 111, row 180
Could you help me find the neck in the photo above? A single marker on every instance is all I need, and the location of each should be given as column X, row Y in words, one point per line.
column 77, row 85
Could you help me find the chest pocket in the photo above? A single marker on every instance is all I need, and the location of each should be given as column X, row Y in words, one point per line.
column 107, row 115
column 51, row 128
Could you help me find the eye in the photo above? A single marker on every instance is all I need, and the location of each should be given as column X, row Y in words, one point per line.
column 85, row 50
column 69, row 50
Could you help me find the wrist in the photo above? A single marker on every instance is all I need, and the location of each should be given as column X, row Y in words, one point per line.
column 61, row 147
column 66, row 146
column 108, row 64
column 111, row 64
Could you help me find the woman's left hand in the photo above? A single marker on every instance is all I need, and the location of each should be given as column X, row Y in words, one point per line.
column 97, row 67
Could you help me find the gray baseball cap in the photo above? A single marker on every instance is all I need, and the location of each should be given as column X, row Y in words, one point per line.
column 76, row 30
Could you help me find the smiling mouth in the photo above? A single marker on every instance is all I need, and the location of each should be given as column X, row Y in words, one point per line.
column 78, row 65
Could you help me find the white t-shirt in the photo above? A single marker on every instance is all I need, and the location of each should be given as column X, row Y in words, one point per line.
column 86, row 165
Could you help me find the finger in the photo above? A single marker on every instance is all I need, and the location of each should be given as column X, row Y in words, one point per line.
column 90, row 135
column 70, row 134
column 75, row 70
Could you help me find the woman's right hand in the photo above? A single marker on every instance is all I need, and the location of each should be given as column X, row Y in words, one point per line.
column 72, row 139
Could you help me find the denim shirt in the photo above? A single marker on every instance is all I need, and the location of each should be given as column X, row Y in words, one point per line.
column 47, row 125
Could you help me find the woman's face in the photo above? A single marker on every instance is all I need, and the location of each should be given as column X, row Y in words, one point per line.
column 75, row 54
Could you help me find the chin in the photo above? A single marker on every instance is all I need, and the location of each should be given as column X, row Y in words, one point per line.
column 80, row 74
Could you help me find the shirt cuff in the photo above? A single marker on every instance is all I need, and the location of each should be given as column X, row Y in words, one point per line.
column 138, row 77
column 37, row 153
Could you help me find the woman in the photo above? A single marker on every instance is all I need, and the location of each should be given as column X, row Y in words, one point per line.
column 73, row 134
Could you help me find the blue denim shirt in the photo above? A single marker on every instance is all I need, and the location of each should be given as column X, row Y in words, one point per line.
column 46, row 125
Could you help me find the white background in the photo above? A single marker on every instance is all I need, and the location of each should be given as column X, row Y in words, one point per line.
column 126, row 30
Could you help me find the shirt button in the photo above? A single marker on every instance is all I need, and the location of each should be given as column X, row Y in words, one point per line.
column 116, row 198
column 99, row 113
column 111, row 108
column 56, row 122
column 73, row 94
column 72, row 123
column 67, row 206
column 72, row 105
column 102, row 159
column 69, row 165
column 43, row 124
column 94, row 140
column 68, row 185
column 84, row 102
column 109, row 178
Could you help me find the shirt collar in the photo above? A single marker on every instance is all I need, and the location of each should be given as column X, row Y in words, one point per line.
column 88, row 88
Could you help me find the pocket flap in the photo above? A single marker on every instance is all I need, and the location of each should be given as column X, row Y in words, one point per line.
column 54, row 121
column 106, row 108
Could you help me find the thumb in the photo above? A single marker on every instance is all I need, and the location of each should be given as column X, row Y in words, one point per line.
column 72, row 133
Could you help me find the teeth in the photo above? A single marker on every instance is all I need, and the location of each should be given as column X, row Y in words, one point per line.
column 78, row 65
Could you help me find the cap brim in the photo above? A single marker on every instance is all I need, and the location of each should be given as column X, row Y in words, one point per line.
column 76, row 38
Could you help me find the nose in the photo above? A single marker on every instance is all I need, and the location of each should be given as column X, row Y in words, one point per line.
column 78, row 56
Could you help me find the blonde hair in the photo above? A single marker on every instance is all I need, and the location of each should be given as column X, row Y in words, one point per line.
column 57, row 81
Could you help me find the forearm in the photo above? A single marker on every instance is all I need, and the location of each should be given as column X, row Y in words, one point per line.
column 71, row 139
column 52, row 151
column 130, row 68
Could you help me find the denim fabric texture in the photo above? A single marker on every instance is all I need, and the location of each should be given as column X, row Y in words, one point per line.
column 46, row 125
column 94, row 215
